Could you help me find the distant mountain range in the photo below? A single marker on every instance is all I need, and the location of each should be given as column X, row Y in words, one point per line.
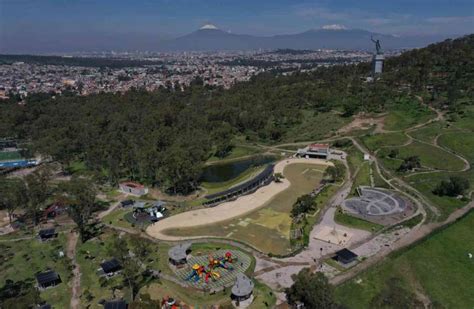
column 211, row 38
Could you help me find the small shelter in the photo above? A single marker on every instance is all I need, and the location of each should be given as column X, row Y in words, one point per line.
column 46, row 234
column 111, row 266
column 48, row 279
column 242, row 289
column 115, row 304
column 127, row 203
column 133, row 188
column 45, row 306
column 178, row 254
column 345, row 256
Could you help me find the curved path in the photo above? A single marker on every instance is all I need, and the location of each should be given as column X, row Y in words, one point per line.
column 227, row 210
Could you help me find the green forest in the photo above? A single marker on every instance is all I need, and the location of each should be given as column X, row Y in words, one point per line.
column 164, row 137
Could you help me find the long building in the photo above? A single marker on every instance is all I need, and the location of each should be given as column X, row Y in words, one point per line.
column 320, row 151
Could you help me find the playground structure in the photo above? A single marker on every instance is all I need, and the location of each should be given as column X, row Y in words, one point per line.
column 213, row 271
column 200, row 272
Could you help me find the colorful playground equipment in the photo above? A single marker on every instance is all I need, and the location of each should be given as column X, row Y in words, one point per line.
column 202, row 272
column 223, row 261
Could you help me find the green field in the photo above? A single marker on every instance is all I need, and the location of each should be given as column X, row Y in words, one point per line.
column 460, row 142
column 407, row 113
column 237, row 152
column 428, row 133
column 21, row 260
column 437, row 267
column 267, row 228
column 376, row 141
column 430, row 157
column 327, row 124
column 425, row 183
column 350, row 221
column 362, row 178
column 13, row 155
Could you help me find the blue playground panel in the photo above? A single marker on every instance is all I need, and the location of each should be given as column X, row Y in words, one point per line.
column 18, row 163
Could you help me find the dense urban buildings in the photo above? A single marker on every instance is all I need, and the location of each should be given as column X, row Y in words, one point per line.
column 173, row 70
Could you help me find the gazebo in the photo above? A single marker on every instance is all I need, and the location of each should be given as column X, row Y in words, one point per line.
column 178, row 254
column 242, row 289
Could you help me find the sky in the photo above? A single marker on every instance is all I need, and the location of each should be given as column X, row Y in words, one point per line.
column 24, row 23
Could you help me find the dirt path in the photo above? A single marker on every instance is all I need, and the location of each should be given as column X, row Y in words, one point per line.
column 76, row 279
column 114, row 206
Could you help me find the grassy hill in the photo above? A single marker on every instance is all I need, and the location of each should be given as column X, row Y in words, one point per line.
column 438, row 268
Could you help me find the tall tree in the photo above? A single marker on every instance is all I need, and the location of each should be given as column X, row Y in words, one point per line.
column 80, row 195
column 13, row 196
column 38, row 191
column 311, row 289
column 131, row 269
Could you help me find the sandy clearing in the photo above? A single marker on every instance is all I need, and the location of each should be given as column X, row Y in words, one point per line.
column 229, row 210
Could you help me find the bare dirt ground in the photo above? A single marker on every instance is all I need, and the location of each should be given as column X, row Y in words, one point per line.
column 363, row 122
column 76, row 280
column 229, row 210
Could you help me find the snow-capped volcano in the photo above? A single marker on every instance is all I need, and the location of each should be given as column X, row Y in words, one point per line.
column 208, row 27
column 334, row 27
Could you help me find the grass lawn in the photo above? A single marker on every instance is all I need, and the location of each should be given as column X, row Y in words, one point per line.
column 159, row 290
column 429, row 132
column 116, row 218
column 350, row 221
column 267, row 228
column 76, row 167
column 466, row 120
column 431, row 156
column 362, row 178
column 437, row 267
column 21, row 260
column 327, row 124
column 406, row 113
column 355, row 158
column 89, row 256
column 425, row 183
column 10, row 155
column 378, row 181
column 237, row 152
column 460, row 142
column 263, row 296
column 374, row 142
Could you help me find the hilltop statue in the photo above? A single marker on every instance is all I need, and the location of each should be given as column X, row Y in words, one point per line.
column 377, row 45
column 378, row 59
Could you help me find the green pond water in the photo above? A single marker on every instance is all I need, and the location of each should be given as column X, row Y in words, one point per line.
column 227, row 171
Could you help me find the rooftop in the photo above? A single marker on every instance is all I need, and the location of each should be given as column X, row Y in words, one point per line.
column 243, row 285
column 47, row 277
column 111, row 265
column 179, row 252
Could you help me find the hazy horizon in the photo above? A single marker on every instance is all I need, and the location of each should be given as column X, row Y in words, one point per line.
column 35, row 26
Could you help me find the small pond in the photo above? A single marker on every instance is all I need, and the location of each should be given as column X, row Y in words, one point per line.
column 227, row 171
